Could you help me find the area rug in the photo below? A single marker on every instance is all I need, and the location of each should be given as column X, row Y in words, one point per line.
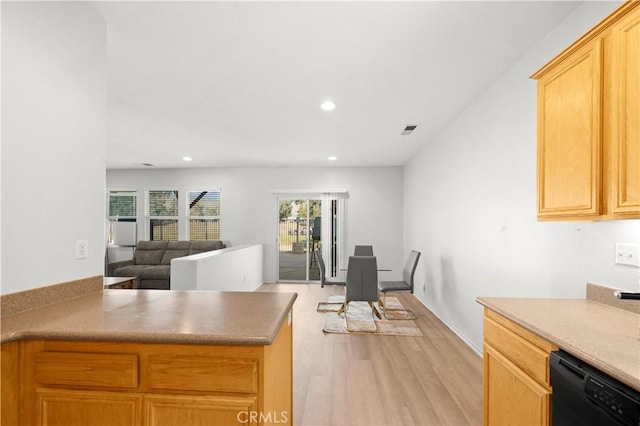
column 359, row 319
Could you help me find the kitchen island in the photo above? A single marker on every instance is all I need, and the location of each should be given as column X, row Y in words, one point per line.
column 150, row 357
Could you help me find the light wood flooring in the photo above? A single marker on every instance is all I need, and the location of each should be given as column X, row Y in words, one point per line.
column 380, row 380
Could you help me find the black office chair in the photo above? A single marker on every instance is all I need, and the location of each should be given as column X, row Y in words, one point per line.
column 406, row 285
column 323, row 277
column 363, row 251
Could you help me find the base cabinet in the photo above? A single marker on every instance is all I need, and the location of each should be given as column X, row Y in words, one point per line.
column 62, row 407
column 513, row 398
column 10, row 383
column 80, row 383
column 171, row 410
column 516, row 384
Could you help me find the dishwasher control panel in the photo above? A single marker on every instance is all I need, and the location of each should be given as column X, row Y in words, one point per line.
column 583, row 395
column 613, row 400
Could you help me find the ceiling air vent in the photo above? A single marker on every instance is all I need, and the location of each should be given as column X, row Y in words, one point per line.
column 409, row 129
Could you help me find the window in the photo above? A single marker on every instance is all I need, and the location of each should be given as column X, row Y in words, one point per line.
column 169, row 214
column 122, row 205
column 163, row 215
column 204, row 215
column 122, row 211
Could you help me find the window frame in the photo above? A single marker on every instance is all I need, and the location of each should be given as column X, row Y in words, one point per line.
column 149, row 217
column 206, row 218
column 132, row 218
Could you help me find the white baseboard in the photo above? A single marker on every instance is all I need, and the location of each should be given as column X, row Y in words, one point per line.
column 456, row 332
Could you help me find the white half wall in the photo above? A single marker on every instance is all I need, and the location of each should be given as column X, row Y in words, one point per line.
column 470, row 205
column 249, row 211
column 230, row 269
column 53, row 142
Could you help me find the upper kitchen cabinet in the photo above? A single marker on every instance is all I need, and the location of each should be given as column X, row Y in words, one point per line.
column 589, row 124
column 625, row 117
column 569, row 135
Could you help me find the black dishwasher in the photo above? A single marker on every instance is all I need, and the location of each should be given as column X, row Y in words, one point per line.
column 583, row 395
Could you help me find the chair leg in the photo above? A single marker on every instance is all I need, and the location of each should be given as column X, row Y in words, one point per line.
column 408, row 312
column 374, row 311
column 344, row 309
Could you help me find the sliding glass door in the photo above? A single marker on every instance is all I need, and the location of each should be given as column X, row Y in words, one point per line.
column 299, row 234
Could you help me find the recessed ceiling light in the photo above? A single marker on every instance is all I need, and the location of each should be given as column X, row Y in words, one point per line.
column 328, row 106
column 332, row 158
column 187, row 158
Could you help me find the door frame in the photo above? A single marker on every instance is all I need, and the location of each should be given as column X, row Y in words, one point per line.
column 332, row 235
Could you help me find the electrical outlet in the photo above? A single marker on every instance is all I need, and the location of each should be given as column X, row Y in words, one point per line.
column 628, row 254
column 82, row 249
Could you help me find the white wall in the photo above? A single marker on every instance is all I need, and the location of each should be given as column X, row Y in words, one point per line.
column 470, row 205
column 238, row 268
column 53, row 142
column 249, row 209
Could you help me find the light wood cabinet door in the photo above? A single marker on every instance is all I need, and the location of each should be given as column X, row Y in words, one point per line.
column 62, row 407
column 625, row 112
column 569, row 136
column 85, row 383
column 193, row 410
column 511, row 397
column 9, row 383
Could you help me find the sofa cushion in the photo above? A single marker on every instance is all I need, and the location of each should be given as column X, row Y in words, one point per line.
column 148, row 257
column 129, row 271
column 200, row 246
column 178, row 245
column 172, row 254
column 175, row 249
column 152, row 245
column 149, row 252
column 160, row 272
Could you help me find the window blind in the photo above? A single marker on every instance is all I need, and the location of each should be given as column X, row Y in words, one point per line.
column 163, row 203
column 204, row 215
column 204, row 203
column 122, row 204
column 163, row 214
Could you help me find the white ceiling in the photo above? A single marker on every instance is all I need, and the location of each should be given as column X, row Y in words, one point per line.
column 240, row 83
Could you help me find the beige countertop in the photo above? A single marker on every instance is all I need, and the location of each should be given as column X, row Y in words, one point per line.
column 156, row 316
column 605, row 337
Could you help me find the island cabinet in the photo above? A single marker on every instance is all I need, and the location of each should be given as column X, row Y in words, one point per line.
column 589, row 124
column 125, row 383
column 516, row 384
column 10, row 383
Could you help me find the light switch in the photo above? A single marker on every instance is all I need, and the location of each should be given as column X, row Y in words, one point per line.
column 628, row 254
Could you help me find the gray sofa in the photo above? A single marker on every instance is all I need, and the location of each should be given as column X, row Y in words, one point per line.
column 151, row 263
